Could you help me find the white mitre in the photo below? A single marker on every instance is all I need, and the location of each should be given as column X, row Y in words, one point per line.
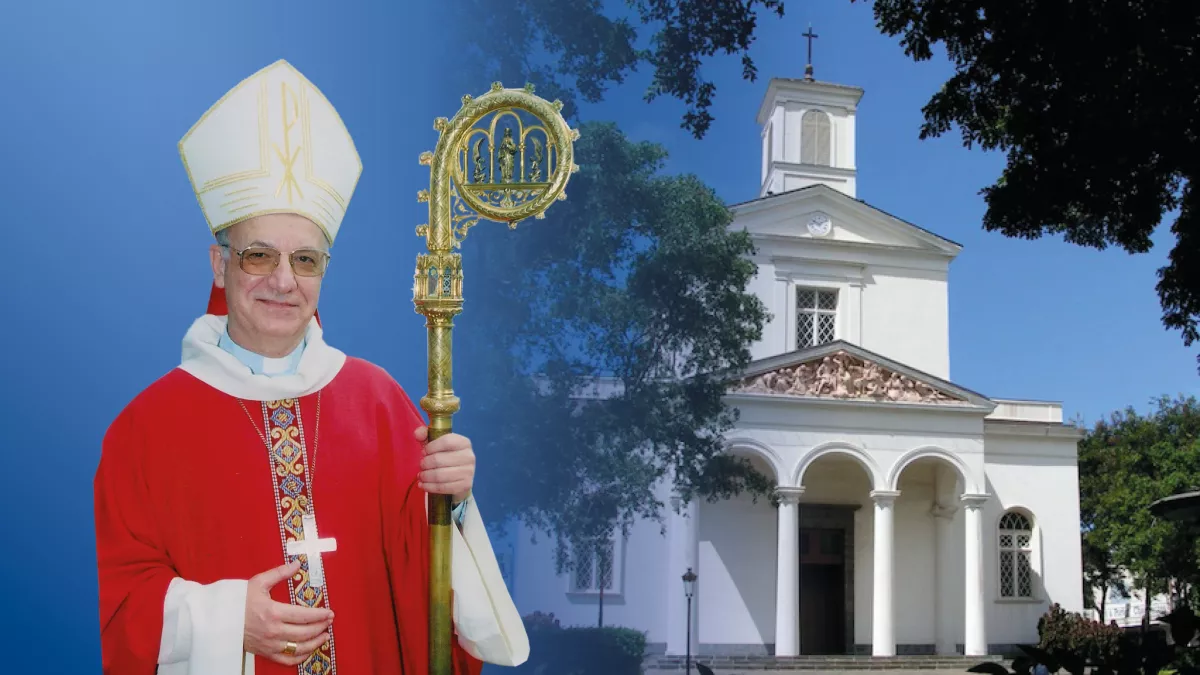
column 272, row 144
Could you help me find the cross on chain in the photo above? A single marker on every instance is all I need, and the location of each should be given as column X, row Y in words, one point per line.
column 312, row 546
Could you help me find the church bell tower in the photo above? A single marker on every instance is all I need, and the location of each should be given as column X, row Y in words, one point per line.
column 808, row 133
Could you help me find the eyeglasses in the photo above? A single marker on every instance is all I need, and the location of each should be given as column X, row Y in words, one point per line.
column 262, row 260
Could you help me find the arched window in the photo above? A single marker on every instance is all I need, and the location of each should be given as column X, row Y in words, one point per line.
column 815, row 139
column 599, row 569
column 1016, row 556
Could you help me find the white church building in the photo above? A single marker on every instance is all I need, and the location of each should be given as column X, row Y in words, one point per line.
column 913, row 516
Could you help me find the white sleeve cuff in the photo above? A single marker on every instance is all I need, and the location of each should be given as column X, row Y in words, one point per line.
column 488, row 624
column 203, row 627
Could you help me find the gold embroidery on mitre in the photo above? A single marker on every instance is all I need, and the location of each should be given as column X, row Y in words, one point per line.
column 238, row 200
column 286, row 154
column 245, row 158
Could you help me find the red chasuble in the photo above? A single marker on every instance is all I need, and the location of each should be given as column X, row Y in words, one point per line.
column 198, row 484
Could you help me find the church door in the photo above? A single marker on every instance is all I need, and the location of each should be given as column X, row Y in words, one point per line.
column 822, row 591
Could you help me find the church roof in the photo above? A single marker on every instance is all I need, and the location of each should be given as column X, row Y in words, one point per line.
column 780, row 197
column 807, row 91
column 845, row 371
column 849, row 88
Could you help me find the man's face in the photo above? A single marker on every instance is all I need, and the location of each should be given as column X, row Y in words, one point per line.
column 276, row 307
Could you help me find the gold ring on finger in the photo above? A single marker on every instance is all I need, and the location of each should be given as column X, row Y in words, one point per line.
column 290, row 649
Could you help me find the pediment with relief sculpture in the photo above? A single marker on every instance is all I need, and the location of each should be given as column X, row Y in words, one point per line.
column 847, row 376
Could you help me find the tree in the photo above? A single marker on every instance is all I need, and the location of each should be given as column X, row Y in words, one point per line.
column 1126, row 463
column 573, row 48
column 634, row 285
column 1100, row 573
column 1094, row 104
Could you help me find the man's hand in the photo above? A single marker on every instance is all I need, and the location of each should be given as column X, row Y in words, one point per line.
column 271, row 625
column 448, row 467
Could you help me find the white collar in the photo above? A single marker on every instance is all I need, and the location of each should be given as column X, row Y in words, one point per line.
column 258, row 363
column 207, row 361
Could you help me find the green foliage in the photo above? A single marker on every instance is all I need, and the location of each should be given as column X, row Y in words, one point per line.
column 1094, row 105
column 1100, row 571
column 634, row 285
column 1079, row 646
column 1094, row 641
column 578, row 48
column 558, row 650
column 1126, row 463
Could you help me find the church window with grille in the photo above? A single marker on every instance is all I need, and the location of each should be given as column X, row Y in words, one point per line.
column 1016, row 556
column 596, row 570
column 815, row 138
column 816, row 316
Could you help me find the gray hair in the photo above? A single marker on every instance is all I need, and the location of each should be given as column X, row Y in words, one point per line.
column 223, row 241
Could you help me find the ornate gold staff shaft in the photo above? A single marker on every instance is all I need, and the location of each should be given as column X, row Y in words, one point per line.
column 463, row 188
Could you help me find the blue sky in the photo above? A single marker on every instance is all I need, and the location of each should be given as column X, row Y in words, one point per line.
column 1029, row 319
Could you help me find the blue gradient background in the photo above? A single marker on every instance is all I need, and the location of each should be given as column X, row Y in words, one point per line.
column 105, row 261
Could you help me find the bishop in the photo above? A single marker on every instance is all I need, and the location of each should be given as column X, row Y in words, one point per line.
column 212, row 480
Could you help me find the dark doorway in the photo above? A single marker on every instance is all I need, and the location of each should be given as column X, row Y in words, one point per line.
column 822, row 591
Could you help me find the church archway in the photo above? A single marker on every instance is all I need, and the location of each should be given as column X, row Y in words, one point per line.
column 936, row 494
column 860, row 456
column 969, row 482
column 757, row 450
column 831, row 564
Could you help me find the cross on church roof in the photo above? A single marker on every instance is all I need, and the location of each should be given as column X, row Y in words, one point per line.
column 810, row 35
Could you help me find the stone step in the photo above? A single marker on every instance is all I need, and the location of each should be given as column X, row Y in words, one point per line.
column 827, row 663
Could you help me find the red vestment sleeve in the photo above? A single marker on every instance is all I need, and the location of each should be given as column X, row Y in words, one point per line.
column 134, row 571
column 407, row 540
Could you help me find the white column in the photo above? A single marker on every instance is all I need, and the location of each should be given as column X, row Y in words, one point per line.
column 683, row 552
column 975, row 643
column 787, row 574
column 945, row 563
column 854, row 312
column 948, row 563
column 883, row 634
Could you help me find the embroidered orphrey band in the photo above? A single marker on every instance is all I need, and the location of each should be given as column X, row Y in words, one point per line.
column 293, row 500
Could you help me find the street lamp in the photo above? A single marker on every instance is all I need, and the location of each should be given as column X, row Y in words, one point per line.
column 689, row 588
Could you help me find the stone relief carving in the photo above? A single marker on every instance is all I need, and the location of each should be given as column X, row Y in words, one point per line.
column 842, row 375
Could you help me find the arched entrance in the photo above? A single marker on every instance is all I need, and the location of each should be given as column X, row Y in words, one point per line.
column 837, row 480
column 936, row 553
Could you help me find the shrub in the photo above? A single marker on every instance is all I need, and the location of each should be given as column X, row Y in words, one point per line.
column 1093, row 641
column 1072, row 644
column 555, row 650
column 538, row 621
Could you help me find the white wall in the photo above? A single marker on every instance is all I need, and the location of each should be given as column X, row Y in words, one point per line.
column 1039, row 475
column 916, row 584
column 640, row 601
column 773, row 295
column 906, row 317
column 892, row 300
column 736, row 587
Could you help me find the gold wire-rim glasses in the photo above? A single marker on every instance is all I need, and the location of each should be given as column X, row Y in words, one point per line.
column 261, row 267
